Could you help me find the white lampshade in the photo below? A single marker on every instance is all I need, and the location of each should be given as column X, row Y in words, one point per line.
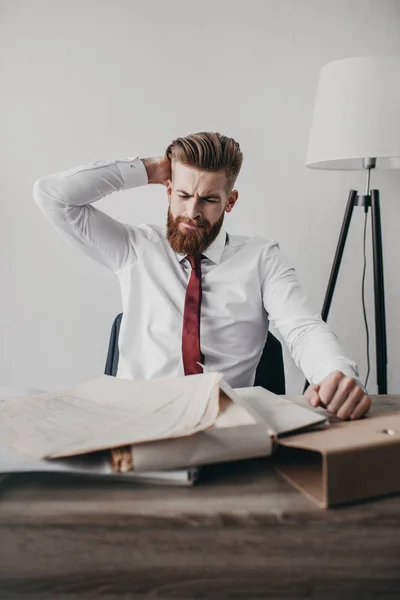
column 357, row 114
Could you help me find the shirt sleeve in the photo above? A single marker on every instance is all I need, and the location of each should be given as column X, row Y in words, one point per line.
column 66, row 199
column 311, row 342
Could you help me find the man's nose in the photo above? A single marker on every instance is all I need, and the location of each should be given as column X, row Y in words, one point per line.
column 193, row 209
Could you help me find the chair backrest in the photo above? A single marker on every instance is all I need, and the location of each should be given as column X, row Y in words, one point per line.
column 113, row 351
column 270, row 372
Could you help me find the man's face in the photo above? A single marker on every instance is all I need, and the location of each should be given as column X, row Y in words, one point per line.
column 198, row 201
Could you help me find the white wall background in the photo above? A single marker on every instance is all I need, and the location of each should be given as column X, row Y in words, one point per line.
column 85, row 80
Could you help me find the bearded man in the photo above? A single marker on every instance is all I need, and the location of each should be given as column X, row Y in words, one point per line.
column 192, row 293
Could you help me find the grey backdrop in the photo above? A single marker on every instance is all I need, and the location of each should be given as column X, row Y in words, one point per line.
column 88, row 80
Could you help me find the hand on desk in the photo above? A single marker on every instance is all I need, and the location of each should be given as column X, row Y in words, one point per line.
column 340, row 395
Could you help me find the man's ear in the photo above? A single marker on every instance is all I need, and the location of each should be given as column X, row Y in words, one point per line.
column 169, row 189
column 233, row 197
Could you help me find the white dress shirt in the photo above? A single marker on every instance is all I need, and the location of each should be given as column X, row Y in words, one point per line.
column 246, row 283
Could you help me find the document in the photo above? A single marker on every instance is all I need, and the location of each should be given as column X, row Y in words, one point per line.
column 109, row 412
column 249, row 420
column 283, row 415
column 169, row 423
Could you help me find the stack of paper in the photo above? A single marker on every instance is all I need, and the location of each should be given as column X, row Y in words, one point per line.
column 110, row 425
column 95, row 465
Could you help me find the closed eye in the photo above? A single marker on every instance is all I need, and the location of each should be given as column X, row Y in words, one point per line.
column 203, row 199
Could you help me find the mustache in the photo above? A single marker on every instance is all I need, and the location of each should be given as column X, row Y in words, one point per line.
column 199, row 222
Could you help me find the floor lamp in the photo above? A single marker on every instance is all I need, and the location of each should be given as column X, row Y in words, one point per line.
column 356, row 125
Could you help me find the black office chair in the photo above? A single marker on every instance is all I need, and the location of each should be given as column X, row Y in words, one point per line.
column 270, row 373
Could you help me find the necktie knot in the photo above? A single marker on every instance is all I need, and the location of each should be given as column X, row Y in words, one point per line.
column 195, row 262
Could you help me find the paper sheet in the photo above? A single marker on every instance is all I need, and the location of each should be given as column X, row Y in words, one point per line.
column 282, row 415
column 109, row 412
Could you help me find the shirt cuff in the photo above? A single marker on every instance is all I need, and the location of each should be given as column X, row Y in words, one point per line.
column 133, row 172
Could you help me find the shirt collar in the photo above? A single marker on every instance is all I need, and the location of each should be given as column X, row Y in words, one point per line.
column 214, row 250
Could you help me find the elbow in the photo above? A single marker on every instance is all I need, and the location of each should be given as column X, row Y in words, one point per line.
column 46, row 193
column 40, row 192
column 51, row 192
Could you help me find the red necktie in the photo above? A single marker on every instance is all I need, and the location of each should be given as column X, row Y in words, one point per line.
column 191, row 353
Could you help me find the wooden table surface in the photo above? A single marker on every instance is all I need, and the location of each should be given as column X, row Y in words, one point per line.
column 241, row 532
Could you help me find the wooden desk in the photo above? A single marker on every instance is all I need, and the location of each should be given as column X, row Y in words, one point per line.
column 242, row 532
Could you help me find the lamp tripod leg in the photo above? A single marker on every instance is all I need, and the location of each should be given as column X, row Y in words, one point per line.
column 337, row 259
column 379, row 294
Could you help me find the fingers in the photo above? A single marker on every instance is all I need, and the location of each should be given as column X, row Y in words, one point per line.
column 329, row 387
column 343, row 396
column 362, row 408
column 355, row 396
column 312, row 396
column 346, row 389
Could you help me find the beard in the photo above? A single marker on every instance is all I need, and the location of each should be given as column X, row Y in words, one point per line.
column 192, row 241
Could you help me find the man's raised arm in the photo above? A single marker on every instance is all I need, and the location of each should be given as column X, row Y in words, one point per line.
column 66, row 199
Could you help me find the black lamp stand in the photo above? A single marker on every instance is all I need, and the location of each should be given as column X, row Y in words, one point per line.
column 369, row 200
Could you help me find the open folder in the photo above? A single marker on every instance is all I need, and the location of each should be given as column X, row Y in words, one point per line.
column 166, row 423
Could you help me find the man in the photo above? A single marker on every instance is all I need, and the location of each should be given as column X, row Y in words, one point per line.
column 194, row 293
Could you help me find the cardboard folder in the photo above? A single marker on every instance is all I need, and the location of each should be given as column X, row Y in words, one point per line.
column 348, row 461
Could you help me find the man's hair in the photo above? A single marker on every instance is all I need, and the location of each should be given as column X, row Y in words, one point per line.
column 208, row 151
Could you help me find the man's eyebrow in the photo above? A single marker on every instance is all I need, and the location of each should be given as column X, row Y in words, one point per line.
column 210, row 195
